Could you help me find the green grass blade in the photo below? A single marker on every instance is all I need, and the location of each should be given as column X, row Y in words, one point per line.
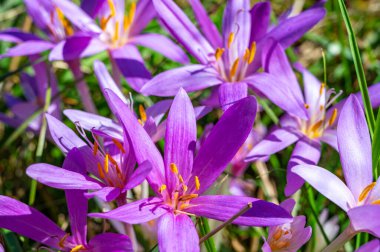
column 204, row 228
column 376, row 146
column 358, row 68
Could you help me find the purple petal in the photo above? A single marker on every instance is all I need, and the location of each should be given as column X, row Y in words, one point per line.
column 229, row 93
column 260, row 20
column 163, row 45
column 180, row 138
column 191, row 78
column 219, row 148
column 276, row 141
column 27, row 221
column 330, row 137
column 288, row 205
column 26, row 48
column 77, row 207
column 91, row 7
column 76, row 47
column 300, row 234
column 305, row 152
column 139, row 175
column 365, row 219
column 145, row 12
column 136, row 212
column 354, row 146
column 106, row 194
column 183, row 30
column 327, row 184
column 278, row 92
column 223, row 207
column 158, row 110
column 56, row 177
column 143, row 146
column 131, row 65
column 16, row 36
column 373, row 245
column 40, row 11
column 177, row 233
column 111, row 242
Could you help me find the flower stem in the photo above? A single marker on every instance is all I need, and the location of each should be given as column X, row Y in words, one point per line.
column 344, row 237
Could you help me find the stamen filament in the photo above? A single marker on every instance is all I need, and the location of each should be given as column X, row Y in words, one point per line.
column 100, row 170
column 234, row 68
column 118, row 145
column 61, row 241
column 112, row 8
column 96, row 148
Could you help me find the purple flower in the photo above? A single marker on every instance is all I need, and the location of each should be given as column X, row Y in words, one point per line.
column 288, row 237
column 373, row 245
column 229, row 61
column 179, row 178
column 27, row 221
column 308, row 133
column 360, row 196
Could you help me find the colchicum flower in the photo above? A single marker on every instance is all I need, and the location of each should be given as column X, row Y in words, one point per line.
column 373, row 245
column 179, row 179
column 319, row 126
column 228, row 62
column 289, row 237
column 360, row 196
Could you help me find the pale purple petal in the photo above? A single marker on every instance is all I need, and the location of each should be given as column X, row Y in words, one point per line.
column 177, row 233
column 330, row 137
column 373, row 245
column 145, row 12
column 223, row 207
column 301, row 235
column 138, row 175
column 365, row 219
column 16, row 36
column 276, row 141
column 163, row 45
column 191, row 78
column 327, row 184
column 219, row 148
column 354, row 146
column 266, row 247
column 111, row 242
column 229, row 93
column 26, row 48
column 136, row 212
column 158, row 110
column 106, row 194
column 77, row 206
column 180, row 138
column 260, row 20
column 288, row 205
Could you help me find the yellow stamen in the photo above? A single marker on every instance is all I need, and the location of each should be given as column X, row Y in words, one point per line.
column 116, row 34
column 61, row 241
column 218, row 53
column 366, row 191
column 113, row 161
column 77, row 248
column 246, row 55
column 96, row 148
column 322, row 88
column 180, row 178
column 184, row 187
column 184, row 206
column 280, row 245
column 118, row 145
column 188, row 197
column 142, row 113
column 333, row 117
column 106, row 163
column 230, row 39
column 197, row 184
column 316, row 126
column 104, row 22
column 140, row 122
column 307, row 106
column 252, row 52
column 321, row 107
column 63, row 21
column 376, row 202
column 100, row 170
column 162, row 188
column 277, row 235
column 112, row 8
column 174, row 168
column 234, row 68
column 131, row 15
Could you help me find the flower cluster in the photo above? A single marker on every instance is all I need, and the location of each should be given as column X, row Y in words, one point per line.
column 160, row 168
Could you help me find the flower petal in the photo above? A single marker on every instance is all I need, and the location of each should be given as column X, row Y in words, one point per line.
column 111, row 242
column 26, row 48
column 191, row 78
column 330, row 137
column 106, row 194
column 223, row 207
column 177, row 233
column 77, row 206
column 16, row 36
column 139, row 175
column 365, row 219
column 229, row 93
column 136, row 212
column 373, row 245
column 158, row 110
column 327, row 184
column 145, row 12
column 260, row 20
column 219, row 148
column 354, row 146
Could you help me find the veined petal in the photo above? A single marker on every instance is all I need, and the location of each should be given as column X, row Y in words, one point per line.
column 177, row 233
column 373, row 245
column 136, row 212
column 77, row 206
column 111, row 242
column 163, row 45
column 29, row 47
column 327, row 184
column 191, row 78
column 158, row 110
column 223, row 207
column 16, row 36
column 260, row 20
column 27, row 221
column 365, row 219
column 330, row 137
column 106, row 194
column 219, row 148
column 229, row 93
column 139, row 175
column 354, row 146
column 145, row 12
column 180, row 138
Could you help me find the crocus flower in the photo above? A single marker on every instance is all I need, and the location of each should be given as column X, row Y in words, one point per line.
column 119, row 33
column 27, row 221
column 373, row 245
column 319, row 126
column 289, row 237
column 360, row 196
column 34, row 89
column 179, row 179
column 229, row 61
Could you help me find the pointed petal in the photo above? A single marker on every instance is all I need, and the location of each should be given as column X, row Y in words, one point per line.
column 136, row 212
column 260, row 20
column 91, row 7
column 27, row 221
column 106, row 194
column 365, row 219
column 77, row 207
column 354, row 146
column 163, row 45
column 274, row 142
column 139, row 175
column 305, row 152
column 373, row 245
column 327, row 184
column 191, row 78
column 26, row 48
column 229, row 93
column 158, row 110
column 145, row 12
column 177, row 233
column 16, row 36
column 219, row 148
column 288, row 205
column 223, row 207
column 111, row 242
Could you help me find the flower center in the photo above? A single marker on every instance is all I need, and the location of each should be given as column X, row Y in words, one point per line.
column 281, row 238
column 232, row 66
column 365, row 193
